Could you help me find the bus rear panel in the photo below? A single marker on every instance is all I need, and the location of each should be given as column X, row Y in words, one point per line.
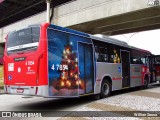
column 25, row 61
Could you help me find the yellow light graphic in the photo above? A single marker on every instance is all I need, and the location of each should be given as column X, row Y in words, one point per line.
column 76, row 76
column 62, row 83
column 80, row 82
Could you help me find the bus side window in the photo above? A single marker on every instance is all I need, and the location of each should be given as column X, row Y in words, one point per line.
column 96, row 56
column 116, row 56
column 144, row 60
column 101, row 54
column 96, row 53
column 157, row 60
column 139, row 61
column 114, row 53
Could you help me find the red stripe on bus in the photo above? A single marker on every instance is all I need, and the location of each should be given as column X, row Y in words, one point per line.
column 116, row 78
column 136, row 77
column 98, row 80
column 121, row 78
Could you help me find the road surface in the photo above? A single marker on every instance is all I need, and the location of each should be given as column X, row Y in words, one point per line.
column 124, row 100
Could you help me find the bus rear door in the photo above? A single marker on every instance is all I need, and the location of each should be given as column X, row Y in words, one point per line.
column 125, row 69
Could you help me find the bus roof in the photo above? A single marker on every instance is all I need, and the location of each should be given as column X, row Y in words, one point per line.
column 132, row 47
column 108, row 39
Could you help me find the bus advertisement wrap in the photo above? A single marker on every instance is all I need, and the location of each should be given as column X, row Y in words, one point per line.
column 67, row 69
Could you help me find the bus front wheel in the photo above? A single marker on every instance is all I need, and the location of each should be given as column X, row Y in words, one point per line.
column 105, row 89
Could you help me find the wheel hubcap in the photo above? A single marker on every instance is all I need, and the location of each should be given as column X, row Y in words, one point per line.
column 105, row 89
column 145, row 82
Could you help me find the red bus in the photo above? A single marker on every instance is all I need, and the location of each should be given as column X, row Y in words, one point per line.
column 51, row 61
column 155, row 68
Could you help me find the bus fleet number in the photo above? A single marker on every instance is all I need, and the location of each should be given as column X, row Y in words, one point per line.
column 59, row 67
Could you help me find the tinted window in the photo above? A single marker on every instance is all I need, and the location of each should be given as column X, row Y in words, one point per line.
column 139, row 57
column 25, row 39
column 101, row 54
column 114, row 54
column 157, row 60
column 106, row 52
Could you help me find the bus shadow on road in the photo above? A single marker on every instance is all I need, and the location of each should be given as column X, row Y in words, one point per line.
column 57, row 104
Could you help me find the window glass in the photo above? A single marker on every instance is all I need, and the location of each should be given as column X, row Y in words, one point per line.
column 101, row 54
column 23, row 40
column 116, row 55
column 106, row 52
column 157, row 60
column 138, row 57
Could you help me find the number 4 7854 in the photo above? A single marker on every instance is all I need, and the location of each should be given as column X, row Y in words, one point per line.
column 59, row 67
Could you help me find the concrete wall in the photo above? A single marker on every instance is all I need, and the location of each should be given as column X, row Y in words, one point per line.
column 81, row 11
column 39, row 18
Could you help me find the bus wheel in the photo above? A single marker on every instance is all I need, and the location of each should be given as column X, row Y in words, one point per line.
column 146, row 80
column 105, row 89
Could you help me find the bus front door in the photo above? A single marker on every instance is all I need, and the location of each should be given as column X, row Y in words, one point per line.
column 86, row 68
column 125, row 69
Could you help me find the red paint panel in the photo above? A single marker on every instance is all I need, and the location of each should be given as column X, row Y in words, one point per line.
column 98, row 80
column 136, row 77
column 116, row 78
column 157, row 70
column 24, row 73
column 144, row 72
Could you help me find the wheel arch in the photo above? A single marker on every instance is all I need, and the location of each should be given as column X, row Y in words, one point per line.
column 108, row 78
column 146, row 75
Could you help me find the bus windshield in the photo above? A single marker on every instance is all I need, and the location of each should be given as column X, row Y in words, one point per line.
column 23, row 40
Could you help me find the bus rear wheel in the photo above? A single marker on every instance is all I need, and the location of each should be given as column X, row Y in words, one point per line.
column 105, row 89
column 146, row 80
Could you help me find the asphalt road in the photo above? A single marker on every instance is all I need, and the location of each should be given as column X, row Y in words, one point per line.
column 52, row 105
column 39, row 104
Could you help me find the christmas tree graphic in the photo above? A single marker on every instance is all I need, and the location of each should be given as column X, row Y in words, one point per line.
column 69, row 69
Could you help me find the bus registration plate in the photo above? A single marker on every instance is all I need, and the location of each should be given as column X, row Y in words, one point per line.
column 20, row 90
